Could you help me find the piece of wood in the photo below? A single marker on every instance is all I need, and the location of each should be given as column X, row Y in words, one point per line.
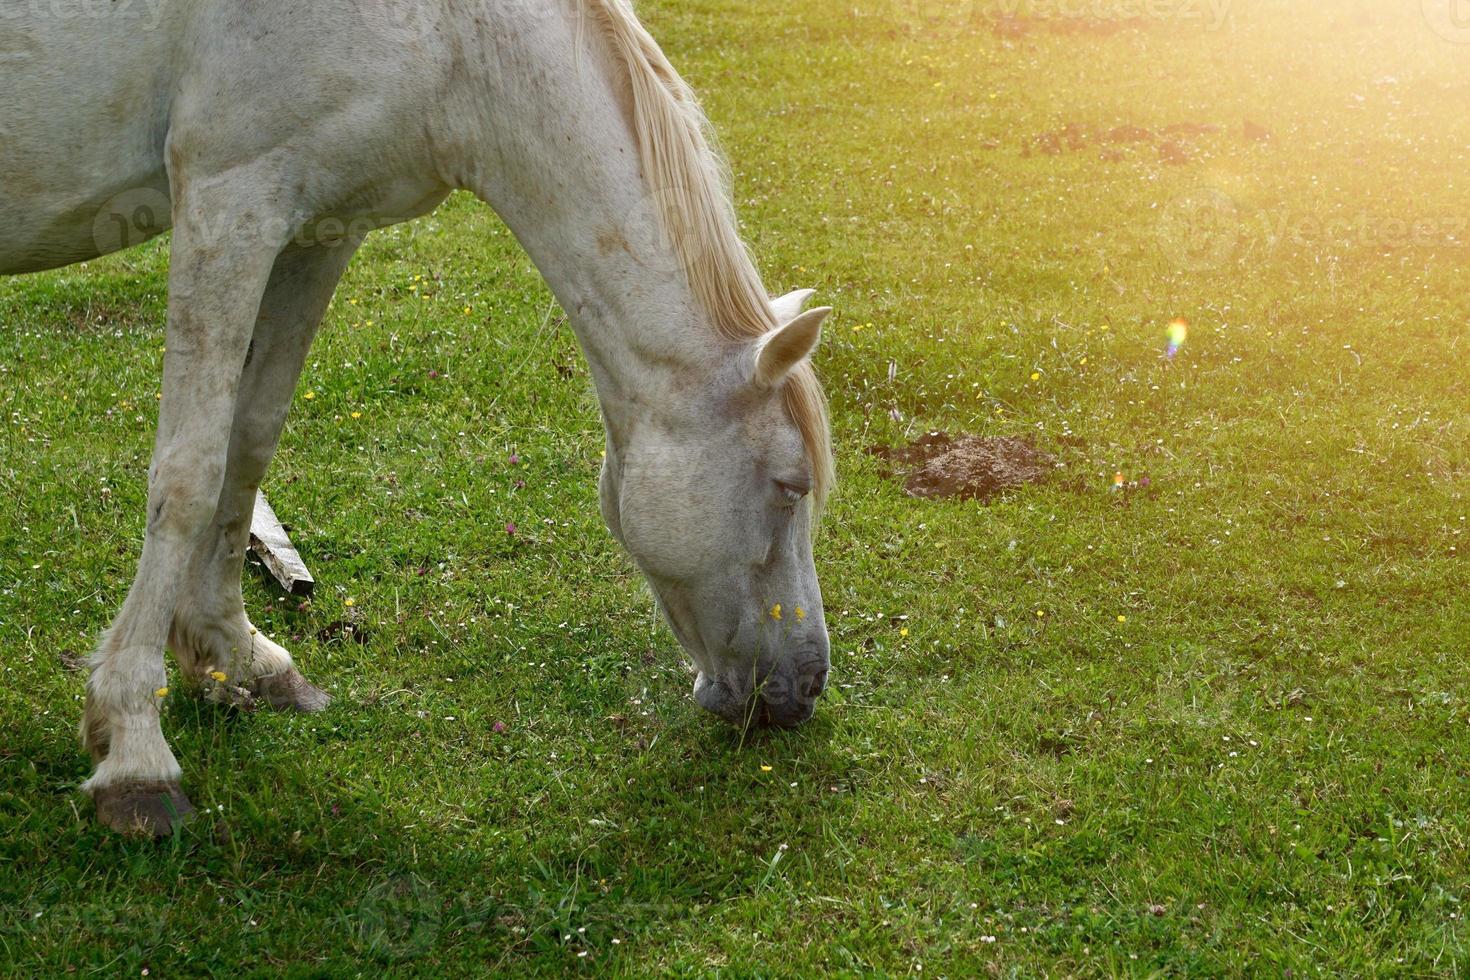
column 269, row 541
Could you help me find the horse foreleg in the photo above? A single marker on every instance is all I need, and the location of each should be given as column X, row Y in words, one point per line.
column 217, row 276
column 211, row 635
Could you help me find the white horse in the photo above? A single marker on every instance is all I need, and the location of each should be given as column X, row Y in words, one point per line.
column 271, row 136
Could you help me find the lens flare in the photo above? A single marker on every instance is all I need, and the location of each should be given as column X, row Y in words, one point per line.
column 1177, row 333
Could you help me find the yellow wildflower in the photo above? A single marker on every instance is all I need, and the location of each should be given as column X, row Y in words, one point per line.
column 219, row 675
column 800, row 614
column 162, row 692
column 776, row 611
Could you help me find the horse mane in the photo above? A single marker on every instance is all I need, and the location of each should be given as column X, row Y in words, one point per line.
column 691, row 184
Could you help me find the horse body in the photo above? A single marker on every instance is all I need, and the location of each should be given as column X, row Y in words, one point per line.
column 72, row 137
column 271, row 137
column 95, row 106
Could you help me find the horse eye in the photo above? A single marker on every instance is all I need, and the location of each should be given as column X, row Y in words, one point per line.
column 792, row 491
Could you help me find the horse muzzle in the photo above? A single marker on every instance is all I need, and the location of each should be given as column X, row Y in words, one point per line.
column 782, row 696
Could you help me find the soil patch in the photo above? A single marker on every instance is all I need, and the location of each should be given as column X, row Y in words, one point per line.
column 969, row 467
column 1254, row 132
column 1172, row 142
column 1014, row 26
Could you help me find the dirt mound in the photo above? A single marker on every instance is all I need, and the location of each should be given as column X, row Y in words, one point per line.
column 969, row 467
column 1172, row 141
column 1014, row 26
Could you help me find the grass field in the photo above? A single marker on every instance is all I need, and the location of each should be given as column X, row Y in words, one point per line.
column 1215, row 722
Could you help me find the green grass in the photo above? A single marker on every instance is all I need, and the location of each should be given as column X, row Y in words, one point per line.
column 1263, row 768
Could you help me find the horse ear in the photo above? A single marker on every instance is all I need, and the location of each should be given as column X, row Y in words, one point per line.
column 782, row 349
column 789, row 307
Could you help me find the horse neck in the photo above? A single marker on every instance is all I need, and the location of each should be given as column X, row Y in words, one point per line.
column 552, row 149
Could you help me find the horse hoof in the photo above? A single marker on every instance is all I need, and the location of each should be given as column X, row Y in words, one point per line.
column 289, row 691
column 150, row 809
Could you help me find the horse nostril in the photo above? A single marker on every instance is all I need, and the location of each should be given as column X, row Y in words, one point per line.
column 814, row 684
